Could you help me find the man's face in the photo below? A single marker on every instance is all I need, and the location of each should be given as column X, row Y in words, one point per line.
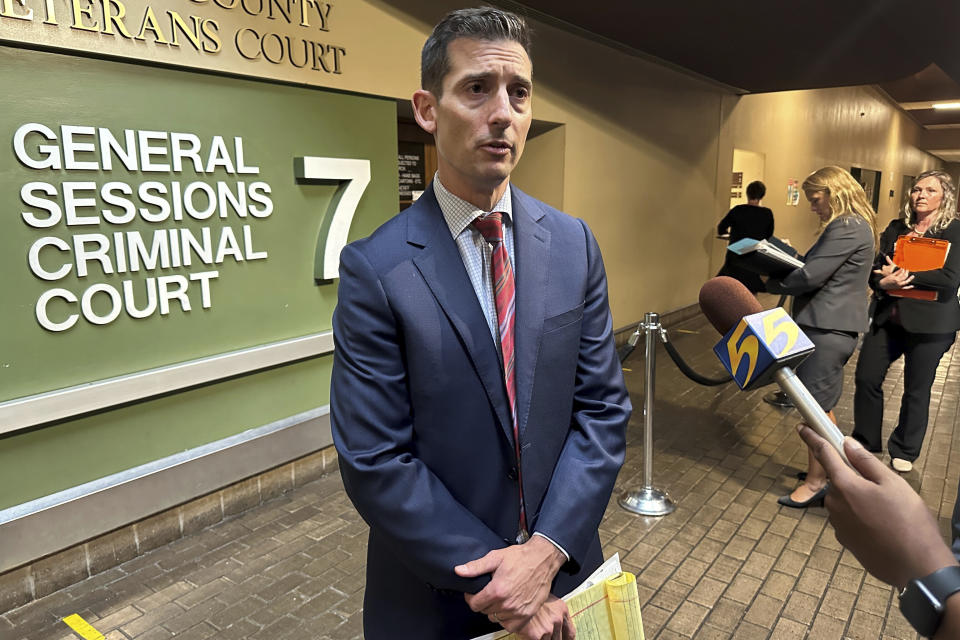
column 480, row 122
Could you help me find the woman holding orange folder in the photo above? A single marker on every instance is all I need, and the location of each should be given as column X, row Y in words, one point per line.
column 921, row 327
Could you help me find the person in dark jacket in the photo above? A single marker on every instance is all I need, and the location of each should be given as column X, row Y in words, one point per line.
column 830, row 298
column 749, row 220
column 919, row 330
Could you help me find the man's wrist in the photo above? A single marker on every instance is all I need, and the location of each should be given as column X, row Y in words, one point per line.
column 557, row 554
column 936, row 556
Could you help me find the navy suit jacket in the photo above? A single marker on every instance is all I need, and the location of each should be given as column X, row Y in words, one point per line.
column 421, row 421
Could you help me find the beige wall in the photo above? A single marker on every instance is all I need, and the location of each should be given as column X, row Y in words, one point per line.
column 801, row 131
column 640, row 166
column 541, row 172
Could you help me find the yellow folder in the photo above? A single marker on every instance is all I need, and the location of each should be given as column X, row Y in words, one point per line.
column 605, row 607
column 609, row 610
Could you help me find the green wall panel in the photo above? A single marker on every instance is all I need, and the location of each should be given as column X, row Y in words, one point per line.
column 251, row 302
column 40, row 461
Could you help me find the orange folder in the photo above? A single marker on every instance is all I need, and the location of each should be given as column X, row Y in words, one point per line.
column 914, row 253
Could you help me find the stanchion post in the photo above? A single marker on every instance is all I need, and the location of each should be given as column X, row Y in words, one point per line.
column 648, row 501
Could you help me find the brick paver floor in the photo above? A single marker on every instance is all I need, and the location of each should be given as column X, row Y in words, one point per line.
column 729, row 563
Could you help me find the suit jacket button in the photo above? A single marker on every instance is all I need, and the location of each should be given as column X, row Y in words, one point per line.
column 512, row 474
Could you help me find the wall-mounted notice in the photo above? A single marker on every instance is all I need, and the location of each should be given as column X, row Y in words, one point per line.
column 410, row 163
column 793, row 192
column 736, row 185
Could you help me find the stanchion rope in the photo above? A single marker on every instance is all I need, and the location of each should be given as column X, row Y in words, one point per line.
column 624, row 352
column 689, row 372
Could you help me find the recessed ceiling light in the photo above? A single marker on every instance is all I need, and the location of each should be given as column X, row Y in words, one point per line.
column 947, row 105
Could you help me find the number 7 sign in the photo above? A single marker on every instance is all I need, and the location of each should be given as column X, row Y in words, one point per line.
column 351, row 177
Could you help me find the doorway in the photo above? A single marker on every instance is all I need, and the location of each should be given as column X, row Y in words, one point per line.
column 747, row 167
column 870, row 181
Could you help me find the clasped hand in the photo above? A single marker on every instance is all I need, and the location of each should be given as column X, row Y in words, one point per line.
column 518, row 594
column 893, row 277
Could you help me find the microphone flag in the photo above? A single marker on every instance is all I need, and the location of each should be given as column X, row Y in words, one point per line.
column 760, row 344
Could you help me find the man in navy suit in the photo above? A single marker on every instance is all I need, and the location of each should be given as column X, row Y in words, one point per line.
column 477, row 403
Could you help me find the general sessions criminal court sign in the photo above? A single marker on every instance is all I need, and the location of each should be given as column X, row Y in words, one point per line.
column 96, row 214
column 158, row 216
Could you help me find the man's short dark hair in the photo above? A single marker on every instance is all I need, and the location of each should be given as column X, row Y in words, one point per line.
column 756, row 190
column 485, row 23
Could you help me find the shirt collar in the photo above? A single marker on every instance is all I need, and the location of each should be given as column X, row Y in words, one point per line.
column 458, row 213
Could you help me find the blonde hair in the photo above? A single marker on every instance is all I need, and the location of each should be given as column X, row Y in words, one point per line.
column 948, row 204
column 844, row 194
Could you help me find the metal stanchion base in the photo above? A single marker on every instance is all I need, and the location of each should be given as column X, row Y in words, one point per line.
column 647, row 502
column 778, row 399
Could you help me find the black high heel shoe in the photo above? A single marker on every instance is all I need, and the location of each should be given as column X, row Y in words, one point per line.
column 816, row 500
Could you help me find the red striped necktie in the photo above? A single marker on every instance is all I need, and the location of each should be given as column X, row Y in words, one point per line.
column 505, row 297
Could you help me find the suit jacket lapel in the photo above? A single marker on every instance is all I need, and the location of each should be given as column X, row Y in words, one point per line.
column 442, row 268
column 531, row 248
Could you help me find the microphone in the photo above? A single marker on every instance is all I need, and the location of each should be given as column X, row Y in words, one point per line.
column 759, row 347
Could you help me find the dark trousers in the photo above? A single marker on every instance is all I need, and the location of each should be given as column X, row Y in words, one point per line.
column 921, row 352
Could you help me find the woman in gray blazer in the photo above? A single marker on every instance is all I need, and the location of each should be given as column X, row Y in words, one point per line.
column 830, row 298
column 919, row 330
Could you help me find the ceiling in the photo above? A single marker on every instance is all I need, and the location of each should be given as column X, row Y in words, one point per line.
column 910, row 50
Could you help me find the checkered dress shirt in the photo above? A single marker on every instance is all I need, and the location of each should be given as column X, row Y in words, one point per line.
column 477, row 258
column 474, row 250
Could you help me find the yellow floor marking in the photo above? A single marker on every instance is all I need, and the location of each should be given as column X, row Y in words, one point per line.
column 82, row 628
